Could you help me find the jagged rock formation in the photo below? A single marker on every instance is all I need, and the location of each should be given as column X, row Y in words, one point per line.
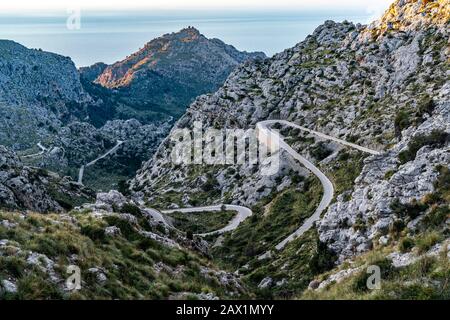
column 38, row 77
column 26, row 188
column 39, row 92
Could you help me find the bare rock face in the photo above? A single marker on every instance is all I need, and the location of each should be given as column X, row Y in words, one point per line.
column 39, row 91
column 110, row 199
column 374, row 194
column 34, row 76
column 35, row 189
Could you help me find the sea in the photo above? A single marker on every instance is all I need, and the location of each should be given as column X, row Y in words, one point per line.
column 108, row 37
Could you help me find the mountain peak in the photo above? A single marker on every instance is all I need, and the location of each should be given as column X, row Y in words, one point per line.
column 188, row 34
column 404, row 15
column 190, row 30
column 176, row 66
column 185, row 49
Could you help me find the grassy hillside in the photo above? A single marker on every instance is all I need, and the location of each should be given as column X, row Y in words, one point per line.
column 35, row 251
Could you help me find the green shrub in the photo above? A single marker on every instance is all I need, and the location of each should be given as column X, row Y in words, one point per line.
column 323, row 259
column 389, row 174
column 435, row 139
column 211, row 184
column 442, row 184
column 437, row 216
column 359, row 225
column 147, row 243
column 359, row 283
column 397, row 227
column 95, row 233
column 345, row 170
column 131, row 209
column 125, row 227
column 63, row 200
column 424, row 266
column 388, row 272
column 428, row 240
column 296, row 178
column 425, row 106
column 13, row 266
column 201, row 222
column 431, row 198
column 283, row 204
column 402, row 121
column 320, row 151
column 50, row 246
column 406, row 245
column 411, row 210
column 414, row 292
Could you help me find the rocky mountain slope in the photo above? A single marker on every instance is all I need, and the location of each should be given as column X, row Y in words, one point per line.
column 46, row 102
column 26, row 188
column 39, row 93
column 384, row 86
column 36, row 76
column 169, row 72
column 49, row 223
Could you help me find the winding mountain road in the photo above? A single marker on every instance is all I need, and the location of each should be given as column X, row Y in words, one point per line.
column 266, row 123
column 35, row 155
column 81, row 171
column 328, row 188
column 328, row 194
column 242, row 214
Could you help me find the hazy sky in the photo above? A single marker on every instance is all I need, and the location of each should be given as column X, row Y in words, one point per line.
column 111, row 29
column 25, row 6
